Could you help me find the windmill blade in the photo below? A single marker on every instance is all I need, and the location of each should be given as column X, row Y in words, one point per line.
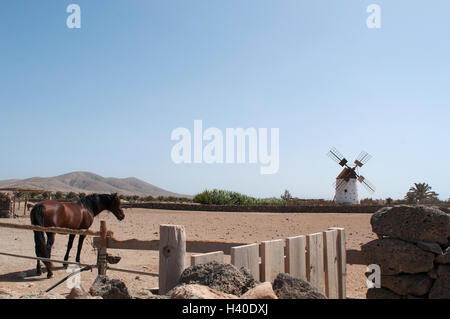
column 362, row 159
column 367, row 184
column 336, row 156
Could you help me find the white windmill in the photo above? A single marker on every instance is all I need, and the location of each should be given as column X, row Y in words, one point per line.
column 345, row 185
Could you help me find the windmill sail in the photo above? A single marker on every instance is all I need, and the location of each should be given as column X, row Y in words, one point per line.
column 367, row 184
column 336, row 156
column 362, row 159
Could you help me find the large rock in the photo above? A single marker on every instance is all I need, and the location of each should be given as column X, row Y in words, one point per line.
column 221, row 277
column 287, row 287
column 396, row 256
column 416, row 285
column 109, row 288
column 195, row 291
column 444, row 258
column 261, row 291
column 381, row 293
column 412, row 223
column 441, row 286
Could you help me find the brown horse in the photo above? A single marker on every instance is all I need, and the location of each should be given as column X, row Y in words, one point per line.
column 78, row 215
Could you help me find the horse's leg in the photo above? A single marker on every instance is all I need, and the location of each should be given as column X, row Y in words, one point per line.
column 50, row 242
column 69, row 247
column 38, row 268
column 37, row 249
column 80, row 245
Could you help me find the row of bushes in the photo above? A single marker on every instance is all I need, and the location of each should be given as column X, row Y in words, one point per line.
column 224, row 197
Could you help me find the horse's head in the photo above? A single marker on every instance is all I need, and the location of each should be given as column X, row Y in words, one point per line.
column 115, row 207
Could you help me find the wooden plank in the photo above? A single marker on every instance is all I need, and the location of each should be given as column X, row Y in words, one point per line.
column 172, row 256
column 199, row 259
column 314, row 261
column 193, row 246
column 57, row 230
column 296, row 257
column 129, row 244
column 247, row 256
column 198, row 246
column 331, row 264
column 342, row 261
column 272, row 259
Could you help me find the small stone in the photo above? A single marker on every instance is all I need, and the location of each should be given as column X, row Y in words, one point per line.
column 195, row 291
column 77, row 293
column 261, row 291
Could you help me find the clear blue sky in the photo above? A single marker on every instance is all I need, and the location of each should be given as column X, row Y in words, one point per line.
column 105, row 98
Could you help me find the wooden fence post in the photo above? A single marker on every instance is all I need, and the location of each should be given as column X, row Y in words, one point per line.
column 247, row 256
column 272, row 259
column 314, row 261
column 172, row 256
column 25, row 205
column 342, row 261
column 296, row 256
column 331, row 264
column 102, row 251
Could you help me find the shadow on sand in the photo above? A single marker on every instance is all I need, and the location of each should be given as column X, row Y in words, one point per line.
column 26, row 275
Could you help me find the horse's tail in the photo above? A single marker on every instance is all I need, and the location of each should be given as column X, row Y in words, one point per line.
column 37, row 218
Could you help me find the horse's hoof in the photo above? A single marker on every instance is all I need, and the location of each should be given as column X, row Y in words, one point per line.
column 38, row 272
column 49, row 275
column 65, row 266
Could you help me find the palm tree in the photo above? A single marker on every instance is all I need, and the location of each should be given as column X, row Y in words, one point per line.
column 420, row 192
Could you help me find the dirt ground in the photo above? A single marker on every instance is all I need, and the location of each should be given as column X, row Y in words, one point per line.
column 18, row 275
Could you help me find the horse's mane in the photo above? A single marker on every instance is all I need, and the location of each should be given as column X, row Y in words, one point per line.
column 91, row 202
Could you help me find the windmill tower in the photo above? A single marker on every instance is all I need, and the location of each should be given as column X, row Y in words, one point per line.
column 346, row 182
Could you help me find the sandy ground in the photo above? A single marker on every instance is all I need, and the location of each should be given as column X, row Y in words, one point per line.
column 18, row 275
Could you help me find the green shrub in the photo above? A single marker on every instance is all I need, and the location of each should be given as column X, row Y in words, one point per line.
column 224, row 197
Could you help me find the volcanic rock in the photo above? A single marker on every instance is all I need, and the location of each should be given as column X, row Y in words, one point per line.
column 396, row 256
column 221, row 277
column 109, row 288
column 381, row 293
column 412, row 223
column 441, row 286
column 416, row 285
column 287, row 287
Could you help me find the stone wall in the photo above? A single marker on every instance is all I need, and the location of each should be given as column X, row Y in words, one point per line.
column 264, row 208
column 413, row 252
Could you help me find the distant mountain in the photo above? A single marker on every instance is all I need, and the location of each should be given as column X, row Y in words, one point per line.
column 86, row 182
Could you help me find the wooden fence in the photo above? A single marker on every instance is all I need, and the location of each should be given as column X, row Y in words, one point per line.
column 319, row 258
